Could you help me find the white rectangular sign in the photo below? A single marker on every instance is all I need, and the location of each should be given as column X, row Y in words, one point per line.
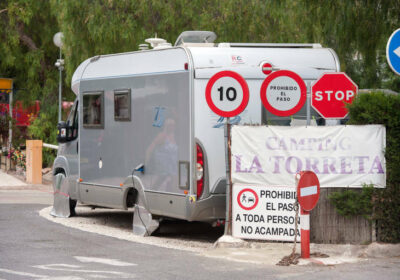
column 341, row 156
column 262, row 212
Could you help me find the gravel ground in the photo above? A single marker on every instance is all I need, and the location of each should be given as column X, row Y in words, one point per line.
column 194, row 237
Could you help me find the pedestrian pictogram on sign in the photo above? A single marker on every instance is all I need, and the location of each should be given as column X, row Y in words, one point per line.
column 283, row 93
column 247, row 199
column 227, row 94
column 330, row 94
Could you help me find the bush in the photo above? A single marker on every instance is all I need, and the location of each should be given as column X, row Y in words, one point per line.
column 380, row 108
column 44, row 127
column 18, row 133
column 353, row 202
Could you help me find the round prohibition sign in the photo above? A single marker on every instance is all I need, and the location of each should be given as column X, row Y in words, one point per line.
column 283, row 93
column 251, row 202
column 227, row 94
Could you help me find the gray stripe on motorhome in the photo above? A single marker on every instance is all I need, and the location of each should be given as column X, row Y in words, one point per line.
column 132, row 75
column 100, row 185
column 175, row 194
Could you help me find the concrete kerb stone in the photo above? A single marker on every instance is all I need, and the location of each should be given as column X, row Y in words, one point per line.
column 373, row 250
column 272, row 252
column 228, row 241
column 378, row 250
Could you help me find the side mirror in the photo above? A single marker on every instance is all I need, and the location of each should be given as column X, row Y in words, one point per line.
column 62, row 132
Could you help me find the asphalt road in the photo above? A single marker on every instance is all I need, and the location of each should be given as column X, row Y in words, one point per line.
column 32, row 247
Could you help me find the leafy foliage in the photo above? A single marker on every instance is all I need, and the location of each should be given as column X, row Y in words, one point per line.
column 4, row 124
column 120, row 26
column 353, row 203
column 42, row 128
column 19, row 134
column 96, row 27
column 351, row 28
column 27, row 55
column 380, row 108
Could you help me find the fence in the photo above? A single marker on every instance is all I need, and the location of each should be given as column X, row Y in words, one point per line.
column 327, row 226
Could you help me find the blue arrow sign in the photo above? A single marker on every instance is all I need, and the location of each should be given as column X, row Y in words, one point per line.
column 393, row 51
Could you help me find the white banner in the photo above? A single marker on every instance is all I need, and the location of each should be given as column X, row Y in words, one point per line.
column 341, row 156
column 262, row 212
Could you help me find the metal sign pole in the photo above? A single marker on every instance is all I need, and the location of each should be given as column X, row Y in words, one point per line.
column 59, row 90
column 228, row 228
column 10, row 122
column 308, row 104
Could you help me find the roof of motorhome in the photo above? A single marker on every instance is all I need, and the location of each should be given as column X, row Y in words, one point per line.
column 306, row 60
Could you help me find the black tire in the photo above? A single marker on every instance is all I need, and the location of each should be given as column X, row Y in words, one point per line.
column 72, row 205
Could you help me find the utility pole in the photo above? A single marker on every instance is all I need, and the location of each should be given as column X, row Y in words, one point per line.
column 57, row 39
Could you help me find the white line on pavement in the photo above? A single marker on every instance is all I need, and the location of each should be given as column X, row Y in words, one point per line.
column 104, row 261
column 22, row 273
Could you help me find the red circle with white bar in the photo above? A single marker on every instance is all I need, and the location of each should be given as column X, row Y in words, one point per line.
column 331, row 92
column 308, row 190
column 283, row 93
column 227, row 94
column 266, row 68
column 248, row 202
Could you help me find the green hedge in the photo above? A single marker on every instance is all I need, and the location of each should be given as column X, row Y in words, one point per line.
column 380, row 108
column 354, row 202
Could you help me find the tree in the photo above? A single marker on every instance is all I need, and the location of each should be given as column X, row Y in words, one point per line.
column 27, row 52
column 100, row 27
column 358, row 31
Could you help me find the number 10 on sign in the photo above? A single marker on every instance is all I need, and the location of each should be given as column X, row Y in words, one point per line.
column 227, row 94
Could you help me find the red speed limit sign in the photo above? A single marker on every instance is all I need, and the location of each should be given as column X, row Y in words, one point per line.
column 227, row 94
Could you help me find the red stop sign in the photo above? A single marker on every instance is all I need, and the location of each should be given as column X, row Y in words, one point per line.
column 330, row 93
column 307, row 189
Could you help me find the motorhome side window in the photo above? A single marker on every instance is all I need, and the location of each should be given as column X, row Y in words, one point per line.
column 72, row 115
column 93, row 110
column 122, row 105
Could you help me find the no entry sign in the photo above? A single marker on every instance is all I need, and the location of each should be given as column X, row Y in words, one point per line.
column 330, row 93
column 307, row 190
column 283, row 93
column 227, row 94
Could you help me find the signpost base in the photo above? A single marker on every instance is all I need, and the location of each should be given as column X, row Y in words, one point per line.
column 305, row 233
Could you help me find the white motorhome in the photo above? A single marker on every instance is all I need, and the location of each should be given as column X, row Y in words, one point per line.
column 140, row 133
